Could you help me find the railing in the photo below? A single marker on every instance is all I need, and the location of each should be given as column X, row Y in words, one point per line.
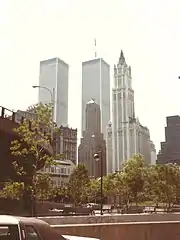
column 18, row 118
column 10, row 115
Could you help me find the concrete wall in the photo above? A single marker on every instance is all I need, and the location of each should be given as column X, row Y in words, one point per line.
column 112, row 218
column 125, row 231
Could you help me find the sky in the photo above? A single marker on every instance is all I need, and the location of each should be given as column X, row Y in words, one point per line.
column 147, row 31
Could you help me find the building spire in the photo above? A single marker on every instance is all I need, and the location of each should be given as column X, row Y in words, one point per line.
column 95, row 55
column 130, row 71
column 121, row 58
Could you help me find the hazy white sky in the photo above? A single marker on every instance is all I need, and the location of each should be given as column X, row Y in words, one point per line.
column 147, row 30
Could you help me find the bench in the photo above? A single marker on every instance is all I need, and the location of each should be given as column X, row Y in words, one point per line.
column 149, row 209
column 133, row 209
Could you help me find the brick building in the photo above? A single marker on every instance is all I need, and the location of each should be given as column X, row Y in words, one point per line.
column 64, row 140
column 65, row 143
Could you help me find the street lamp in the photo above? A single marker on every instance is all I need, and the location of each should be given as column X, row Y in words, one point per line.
column 52, row 97
column 98, row 157
column 92, row 151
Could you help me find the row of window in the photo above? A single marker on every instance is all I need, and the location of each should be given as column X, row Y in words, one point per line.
column 58, row 183
column 58, row 170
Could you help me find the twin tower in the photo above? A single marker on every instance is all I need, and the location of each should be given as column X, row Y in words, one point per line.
column 124, row 136
column 117, row 140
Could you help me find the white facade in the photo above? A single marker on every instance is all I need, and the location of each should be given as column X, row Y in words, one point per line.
column 153, row 153
column 54, row 75
column 129, row 137
column 96, row 85
column 109, row 150
column 61, row 172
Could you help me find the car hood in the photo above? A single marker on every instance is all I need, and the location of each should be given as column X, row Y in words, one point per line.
column 68, row 237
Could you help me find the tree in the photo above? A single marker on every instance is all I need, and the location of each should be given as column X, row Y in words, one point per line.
column 92, row 190
column 59, row 194
column 78, row 184
column 34, row 135
column 134, row 177
column 109, row 187
column 13, row 190
column 43, row 186
column 164, row 183
column 121, row 189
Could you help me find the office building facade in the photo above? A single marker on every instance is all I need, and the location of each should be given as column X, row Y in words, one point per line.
column 96, row 85
column 170, row 151
column 54, row 75
column 92, row 141
column 65, row 143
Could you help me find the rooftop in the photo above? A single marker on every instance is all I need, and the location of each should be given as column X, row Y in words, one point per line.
column 51, row 60
column 91, row 101
column 95, row 60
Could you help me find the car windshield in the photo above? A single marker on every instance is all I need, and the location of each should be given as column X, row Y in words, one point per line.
column 9, row 232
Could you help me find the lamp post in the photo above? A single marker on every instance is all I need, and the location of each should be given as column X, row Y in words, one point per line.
column 92, row 151
column 52, row 97
column 98, row 157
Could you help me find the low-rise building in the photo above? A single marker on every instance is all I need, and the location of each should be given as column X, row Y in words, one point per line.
column 60, row 172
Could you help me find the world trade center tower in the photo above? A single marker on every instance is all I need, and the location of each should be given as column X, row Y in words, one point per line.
column 96, row 86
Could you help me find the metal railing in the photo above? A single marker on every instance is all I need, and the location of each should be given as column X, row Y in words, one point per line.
column 16, row 117
column 10, row 115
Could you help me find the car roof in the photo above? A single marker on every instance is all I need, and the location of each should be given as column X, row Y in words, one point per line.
column 8, row 219
column 79, row 238
column 43, row 228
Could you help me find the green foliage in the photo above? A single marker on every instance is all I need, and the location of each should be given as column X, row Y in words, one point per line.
column 164, row 183
column 134, row 177
column 135, row 183
column 42, row 186
column 59, row 194
column 33, row 136
column 78, row 184
column 92, row 190
column 13, row 190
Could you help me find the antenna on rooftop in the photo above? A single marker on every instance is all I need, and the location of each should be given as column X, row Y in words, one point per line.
column 95, row 48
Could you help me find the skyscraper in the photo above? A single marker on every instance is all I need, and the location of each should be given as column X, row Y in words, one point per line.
column 92, row 141
column 128, row 135
column 54, row 76
column 96, row 85
column 170, row 151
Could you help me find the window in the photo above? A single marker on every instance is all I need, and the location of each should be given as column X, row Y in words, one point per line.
column 119, row 96
column 31, row 233
column 9, row 232
column 63, row 170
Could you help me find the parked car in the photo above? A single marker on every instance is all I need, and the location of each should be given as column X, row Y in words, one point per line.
column 67, row 237
column 23, row 228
